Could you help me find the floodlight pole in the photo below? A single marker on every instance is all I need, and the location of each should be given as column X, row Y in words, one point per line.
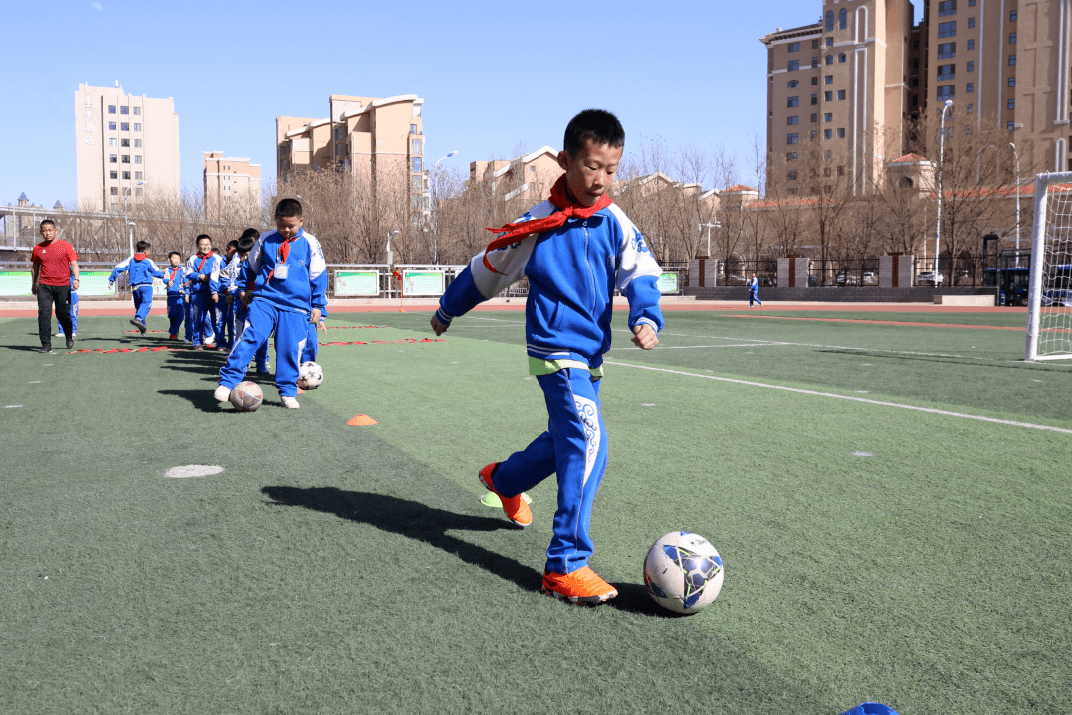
column 1017, row 155
column 941, row 161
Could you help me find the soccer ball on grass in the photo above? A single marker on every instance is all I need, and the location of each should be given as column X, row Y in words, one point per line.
column 247, row 396
column 683, row 572
column 310, row 375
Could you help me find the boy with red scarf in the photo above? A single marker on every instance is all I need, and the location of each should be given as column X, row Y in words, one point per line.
column 140, row 270
column 203, row 278
column 575, row 249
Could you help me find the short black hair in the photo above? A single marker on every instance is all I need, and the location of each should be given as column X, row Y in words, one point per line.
column 204, row 235
column 246, row 244
column 288, row 208
column 250, row 233
column 599, row 125
column 48, row 220
column 232, row 244
column 175, row 253
column 142, row 246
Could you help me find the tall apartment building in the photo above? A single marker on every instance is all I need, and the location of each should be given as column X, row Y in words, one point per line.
column 232, row 186
column 378, row 139
column 530, row 176
column 127, row 148
column 840, row 92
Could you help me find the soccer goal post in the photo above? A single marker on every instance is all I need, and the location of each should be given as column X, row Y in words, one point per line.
column 1049, row 297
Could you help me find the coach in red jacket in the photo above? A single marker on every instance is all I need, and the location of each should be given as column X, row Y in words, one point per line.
column 54, row 265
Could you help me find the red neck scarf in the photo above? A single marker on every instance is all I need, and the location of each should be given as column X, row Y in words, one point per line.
column 567, row 207
column 139, row 256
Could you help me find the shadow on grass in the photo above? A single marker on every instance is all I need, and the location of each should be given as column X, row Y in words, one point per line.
column 201, row 399
column 413, row 520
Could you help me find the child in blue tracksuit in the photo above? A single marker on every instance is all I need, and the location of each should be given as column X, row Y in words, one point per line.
column 175, row 280
column 753, row 292
column 575, row 249
column 203, row 290
column 312, row 344
column 74, row 313
column 245, row 245
column 286, row 288
column 225, row 309
column 141, row 271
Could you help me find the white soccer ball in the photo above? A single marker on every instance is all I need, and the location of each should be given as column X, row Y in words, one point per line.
column 310, row 375
column 683, row 572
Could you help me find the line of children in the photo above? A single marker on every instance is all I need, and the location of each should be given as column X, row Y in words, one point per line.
column 575, row 249
column 141, row 271
column 203, row 289
column 286, row 288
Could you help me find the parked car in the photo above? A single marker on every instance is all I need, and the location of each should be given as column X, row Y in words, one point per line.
column 847, row 279
column 870, row 279
column 963, row 278
column 770, row 281
column 926, row 278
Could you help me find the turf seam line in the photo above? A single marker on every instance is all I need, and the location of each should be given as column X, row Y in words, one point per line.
column 881, row 403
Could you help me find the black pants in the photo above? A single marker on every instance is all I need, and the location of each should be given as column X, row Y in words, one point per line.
column 47, row 296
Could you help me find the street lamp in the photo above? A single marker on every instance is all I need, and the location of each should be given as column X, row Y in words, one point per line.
column 390, row 255
column 1017, row 155
column 941, row 159
column 126, row 212
column 710, row 226
column 435, row 206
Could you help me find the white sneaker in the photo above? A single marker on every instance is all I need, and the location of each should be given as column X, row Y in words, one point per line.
column 222, row 394
column 59, row 334
column 290, row 403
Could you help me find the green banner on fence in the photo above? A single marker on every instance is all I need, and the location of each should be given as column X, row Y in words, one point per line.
column 422, row 283
column 18, row 283
column 668, row 282
column 363, row 283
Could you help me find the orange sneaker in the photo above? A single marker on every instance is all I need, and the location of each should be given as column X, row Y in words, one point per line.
column 580, row 586
column 516, row 508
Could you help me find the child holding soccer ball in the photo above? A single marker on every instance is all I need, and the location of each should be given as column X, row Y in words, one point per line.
column 575, row 249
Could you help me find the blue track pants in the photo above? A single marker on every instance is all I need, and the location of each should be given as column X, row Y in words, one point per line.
column 574, row 447
column 201, row 314
column 143, row 301
column 176, row 312
column 290, row 337
column 74, row 313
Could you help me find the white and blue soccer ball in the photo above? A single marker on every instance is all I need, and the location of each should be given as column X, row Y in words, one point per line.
column 683, row 572
column 310, row 375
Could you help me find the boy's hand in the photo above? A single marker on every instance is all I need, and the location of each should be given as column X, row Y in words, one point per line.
column 323, row 326
column 438, row 327
column 314, row 316
column 186, row 299
column 644, row 336
column 247, row 298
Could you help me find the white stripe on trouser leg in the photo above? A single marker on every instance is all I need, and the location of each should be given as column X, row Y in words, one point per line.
column 588, row 412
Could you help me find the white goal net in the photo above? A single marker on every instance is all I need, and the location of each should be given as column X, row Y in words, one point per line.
column 1049, row 304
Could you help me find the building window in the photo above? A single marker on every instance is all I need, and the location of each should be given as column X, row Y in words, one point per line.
column 137, row 126
column 792, row 101
column 829, row 79
column 412, row 128
column 113, row 174
column 124, row 110
column 815, row 44
column 111, row 141
column 947, row 73
column 814, row 117
column 111, row 109
column 840, row 94
column 137, row 110
column 971, row 66
column 814, row 81
column 1012, row 60
column 970, row 108
column 830, row 42
column 842, row 58
column 1011, row 104
column 971, row 44
column 792, row 138
column 841, row 133
column 971, row 3
column 111, row 126
column 137, row 191
column 137, row 176
column 791, row 175
column 828, row 117
column 947, row 51
column 814, row 62
column 829, row 59
column 792, row 84
column 971, row 87
column 137, row 158
column 1012, row 16
column 971, row 22
column 418, row 164
column 1010, row 126
column 1012, row 81
column 843, row 19
column 125, row 126
column 794, row 47
column 814, row 134
column 1012, row 38
column 792, row 120
column 137, row 143
column 815, row 99
column 828, row 133
column 829, row 20
column 794, row 65
column 946, row 91
column 915, row 100
column 126, row 176
column 113, row 191
column 124, row 142
column 828, row 96
column 791, row 156
column 126, row 158
column 112, row 158
column 947, row 29
column 948, row 7
column 415, row 147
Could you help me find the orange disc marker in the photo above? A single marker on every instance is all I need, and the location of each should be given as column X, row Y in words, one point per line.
column 361, row 421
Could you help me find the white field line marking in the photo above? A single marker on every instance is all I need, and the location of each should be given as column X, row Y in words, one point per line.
column 850, row 398
column 693, row 347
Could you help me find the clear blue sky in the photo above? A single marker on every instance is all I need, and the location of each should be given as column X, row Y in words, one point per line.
column 689, row 73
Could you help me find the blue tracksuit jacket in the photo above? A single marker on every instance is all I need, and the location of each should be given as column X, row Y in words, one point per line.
column 141, row 271
column 306, row 284
column 198, row 266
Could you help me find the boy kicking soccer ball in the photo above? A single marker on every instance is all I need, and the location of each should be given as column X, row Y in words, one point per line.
column 575, row 249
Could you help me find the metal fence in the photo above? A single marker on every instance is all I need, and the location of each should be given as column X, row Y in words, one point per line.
column 967, row 270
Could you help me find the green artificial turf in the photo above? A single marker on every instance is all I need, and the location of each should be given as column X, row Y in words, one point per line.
column 872, row 551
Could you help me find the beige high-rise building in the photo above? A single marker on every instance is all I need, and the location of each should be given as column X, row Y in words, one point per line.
column 232, row 186
column 379, row 139
column 841, row 92
column 127, row 148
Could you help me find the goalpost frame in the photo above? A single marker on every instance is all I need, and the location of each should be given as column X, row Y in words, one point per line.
column 1038, row 253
